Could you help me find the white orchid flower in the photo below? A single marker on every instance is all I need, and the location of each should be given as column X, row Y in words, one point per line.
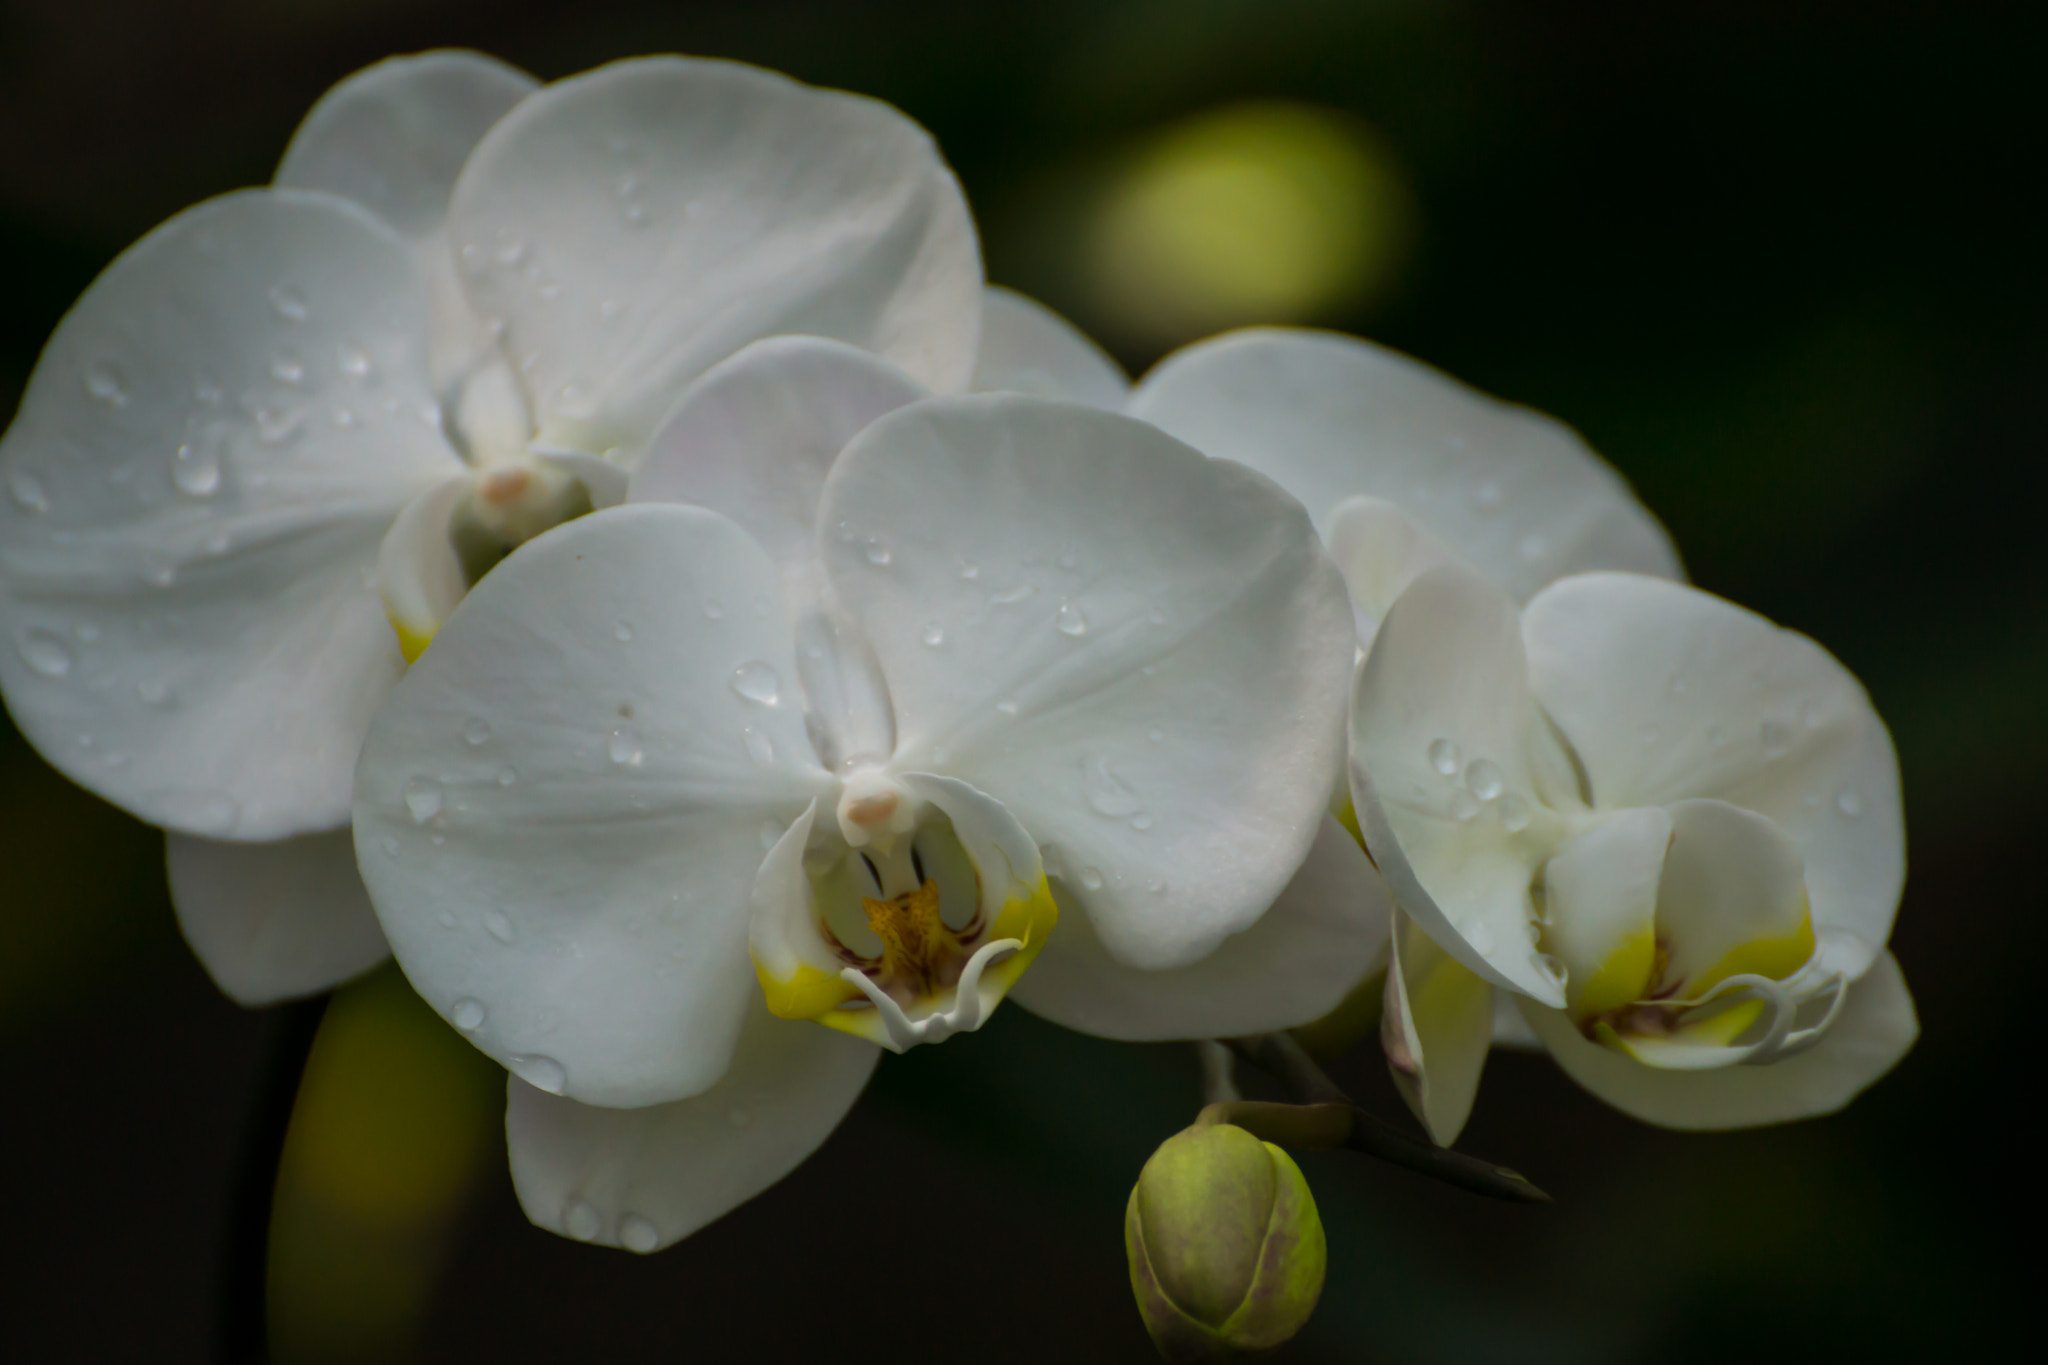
column 856, row 739
column 1669, row 828
column 293, row 419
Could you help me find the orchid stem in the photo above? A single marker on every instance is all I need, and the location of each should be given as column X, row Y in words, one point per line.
column 1324, row 1116
column 243, row 1334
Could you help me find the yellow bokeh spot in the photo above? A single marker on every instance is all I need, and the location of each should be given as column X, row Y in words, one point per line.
column 1263, row 212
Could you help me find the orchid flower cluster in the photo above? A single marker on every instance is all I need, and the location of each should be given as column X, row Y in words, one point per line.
column 604, row 544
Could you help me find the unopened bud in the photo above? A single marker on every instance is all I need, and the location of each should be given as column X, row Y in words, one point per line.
column 1226, row 1250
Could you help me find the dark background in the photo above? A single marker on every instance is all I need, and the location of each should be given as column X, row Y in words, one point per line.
column 1781, row 262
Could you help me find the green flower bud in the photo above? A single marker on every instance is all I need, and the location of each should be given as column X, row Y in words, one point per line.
column 1226, row 1250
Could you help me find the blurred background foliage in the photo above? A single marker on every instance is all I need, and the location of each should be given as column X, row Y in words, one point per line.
column 1781, row 262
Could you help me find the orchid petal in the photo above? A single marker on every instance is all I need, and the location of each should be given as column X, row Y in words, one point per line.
column 1874, row 1029
column 1600, row 902
column 394, row 136
column 560, row 810
column 1436, row 1031
column 755, row 436
column 419, row 575
column 1733, row 898
column 1325, row 933
column 1027, row 348
column 1139, row 652
column 277, row 920
column 1380, row 550
column 637, row 224
column 1514, row 492
column 213, row 444
column 1666, row 693
column 1442, row 776
column 646, row 1177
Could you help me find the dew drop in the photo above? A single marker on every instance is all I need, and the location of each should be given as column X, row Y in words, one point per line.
column 476, row 730
column 46, row 652
column 1011, row 596
column 511, row 249
column 355, row 362
column 1551, row 968
column 625, row 748
column 498, row 926
column 1141, row 822
column 969, row 571
column 1091, row 879
column 507, row 776
column 610, row 309
column 1006, row 706
column 1444, row 757
column 623, row 633
column 162, row 576
column 286, row 368
column 1106, row 792
column 582, row 1221
column 760, row 748
column 288, row 304
column 757, row 682
column 877, row 551
column 1483, row 778
column 195, row 470
column 422, row 799
column 540, row 1072
column 467, row 1014
column 1514, row 814
column 103, row 382
column 28, row 492
column 1070, row 620
column 934, row 635
column 1849, row 803
column 1776, row 738
column 635, row 1232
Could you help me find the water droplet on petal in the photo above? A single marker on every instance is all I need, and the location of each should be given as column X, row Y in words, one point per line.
column 877, row 551
column 467, row 1014
column 637, row 1234
column 355, row 362
column 422, row 799
column 195, row 470
column 507, row 776
column 1011, row 596
column 103, row 382
column 1552, row 969
column 582, row 1221
column 623, row 633
column 756, row 681
column 540, row 1072
column 1463, row 806
column 714, row 610
column 499, row 926
column 934, row 635
column 969, row 570
column 1106, row 792
column 1776, row 738
column 1006, row 706
column 1514, row 814
column 760, row 748
column 1849, row 803
column 476, row 731
column 288, row 304
column 1070, row 620
column 1444, row 756
column 46, row 652
column 287, row 368
column 1483, row 778
column 1141, row 822
column 28, row 492
column 1091, row 879
column 625, row 748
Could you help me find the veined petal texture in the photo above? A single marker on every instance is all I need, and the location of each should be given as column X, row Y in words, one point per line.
column 1140, row 652
column 561, row 809
column 209, row 452
column 1515, row 493
column 637, row 224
